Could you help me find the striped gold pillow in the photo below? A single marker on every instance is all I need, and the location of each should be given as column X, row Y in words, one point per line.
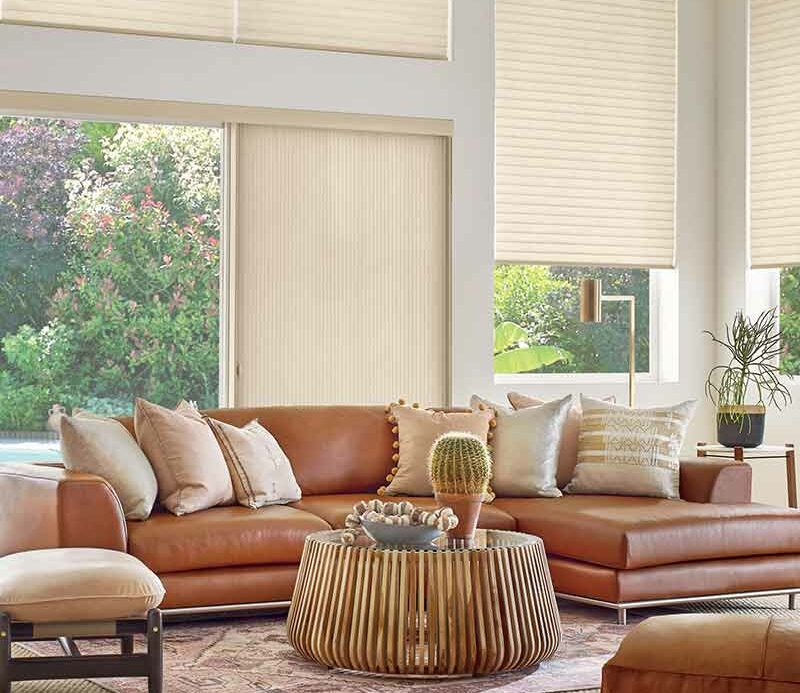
column 630, row 452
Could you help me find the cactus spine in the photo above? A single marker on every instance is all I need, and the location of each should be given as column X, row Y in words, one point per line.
column 460, row 463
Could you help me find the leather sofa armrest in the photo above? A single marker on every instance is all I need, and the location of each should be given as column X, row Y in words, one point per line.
column 715, row 481
column 47, row 508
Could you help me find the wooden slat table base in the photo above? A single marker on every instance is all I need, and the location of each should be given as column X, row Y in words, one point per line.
column 407, row 612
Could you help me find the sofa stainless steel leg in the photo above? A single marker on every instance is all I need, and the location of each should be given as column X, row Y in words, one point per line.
column 155, row 652
column 792, row 602
column 622, row 616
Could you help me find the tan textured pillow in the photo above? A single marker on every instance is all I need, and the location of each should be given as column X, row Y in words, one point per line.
column 191, row 471
column 68, row 586
column 417, row 430
column 98, row 445
column 630, row 452
column 260, row 471
column 525, row 448
column 568, row 455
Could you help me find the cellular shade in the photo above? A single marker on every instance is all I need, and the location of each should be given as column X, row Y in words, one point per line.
column 341, row 266
column 207, row 19
column 585, row 132
column 774, row 133
column 417, row 28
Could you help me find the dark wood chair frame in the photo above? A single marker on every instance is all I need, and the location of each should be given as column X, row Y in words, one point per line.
column 73, row 664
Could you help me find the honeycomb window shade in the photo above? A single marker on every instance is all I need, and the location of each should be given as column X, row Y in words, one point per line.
column 417, row 28
column 341, row 266
column 414, row 28
column 204, row 19
column 774, row 133
column 585, row 132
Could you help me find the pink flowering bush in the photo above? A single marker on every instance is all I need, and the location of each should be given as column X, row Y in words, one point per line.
column 135, row 310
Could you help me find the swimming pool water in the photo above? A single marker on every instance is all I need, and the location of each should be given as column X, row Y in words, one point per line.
column 29, row 451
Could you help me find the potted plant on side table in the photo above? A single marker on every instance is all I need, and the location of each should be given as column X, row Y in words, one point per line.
column 751, row 374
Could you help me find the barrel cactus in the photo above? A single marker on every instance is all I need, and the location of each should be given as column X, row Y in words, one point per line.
column 460, row 463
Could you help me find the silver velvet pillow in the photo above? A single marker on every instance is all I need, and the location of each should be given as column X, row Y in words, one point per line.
column 525, row 448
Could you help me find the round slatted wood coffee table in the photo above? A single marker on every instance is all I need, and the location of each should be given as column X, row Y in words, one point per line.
column 450, row 609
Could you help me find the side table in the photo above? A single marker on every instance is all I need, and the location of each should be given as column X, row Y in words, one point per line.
column 763, row 452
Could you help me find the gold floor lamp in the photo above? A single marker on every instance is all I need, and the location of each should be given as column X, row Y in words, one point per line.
column 592, row 311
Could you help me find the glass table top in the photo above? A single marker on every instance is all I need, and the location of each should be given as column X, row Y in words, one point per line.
column 485, row 539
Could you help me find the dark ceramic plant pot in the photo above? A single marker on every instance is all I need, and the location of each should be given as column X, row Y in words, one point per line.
column 741, row 427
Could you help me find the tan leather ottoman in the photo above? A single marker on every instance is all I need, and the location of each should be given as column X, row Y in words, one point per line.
column 709, row 653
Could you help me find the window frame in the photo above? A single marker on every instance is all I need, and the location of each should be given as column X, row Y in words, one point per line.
column 764, row 293
column 664, row 344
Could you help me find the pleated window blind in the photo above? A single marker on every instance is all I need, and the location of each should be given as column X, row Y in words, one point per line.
column 393, row 27
column 341, row 266
column 416, row 28
column 207, row 19
column 585, row 132
column 774, row 133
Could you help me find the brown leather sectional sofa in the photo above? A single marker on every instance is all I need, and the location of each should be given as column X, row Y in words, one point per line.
column 620, row 552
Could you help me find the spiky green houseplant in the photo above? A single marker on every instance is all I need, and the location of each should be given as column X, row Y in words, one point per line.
column 752, row 347
column 460, row 468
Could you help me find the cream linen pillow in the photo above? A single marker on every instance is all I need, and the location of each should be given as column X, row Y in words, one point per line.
column 189, row 465
column 260, row 471
column 630, row 452
column 525, row 447
column 417, row 430
column 102, row 446
column 568, row 455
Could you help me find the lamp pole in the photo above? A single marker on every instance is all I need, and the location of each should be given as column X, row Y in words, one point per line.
column 592, row 299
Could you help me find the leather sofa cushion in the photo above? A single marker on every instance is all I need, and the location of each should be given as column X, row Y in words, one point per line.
column 631, row 532
column 700, row 652
column 222, row 537
column 334, row 509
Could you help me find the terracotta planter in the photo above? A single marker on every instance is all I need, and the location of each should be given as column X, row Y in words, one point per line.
column 467, row 508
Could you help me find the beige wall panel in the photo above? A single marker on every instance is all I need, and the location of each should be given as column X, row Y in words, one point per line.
column 341, row 267
column 417, row 28
column 208, row 19
column 585, row 132
column 774, row 133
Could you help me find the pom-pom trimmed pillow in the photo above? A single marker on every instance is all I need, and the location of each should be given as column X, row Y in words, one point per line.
column 630, row 452
column 417, row 431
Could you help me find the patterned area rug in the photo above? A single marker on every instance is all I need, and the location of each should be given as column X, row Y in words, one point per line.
column 254, row 655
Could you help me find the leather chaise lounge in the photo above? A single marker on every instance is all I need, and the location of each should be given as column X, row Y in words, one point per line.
column 618, row 552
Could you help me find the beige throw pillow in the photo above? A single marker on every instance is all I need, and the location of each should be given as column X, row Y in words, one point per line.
column 568, row 454
column 189, row 465
column 102, row 446
column 417, row 431
column 525, row 448
column 260, row 471
column 630, row 452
